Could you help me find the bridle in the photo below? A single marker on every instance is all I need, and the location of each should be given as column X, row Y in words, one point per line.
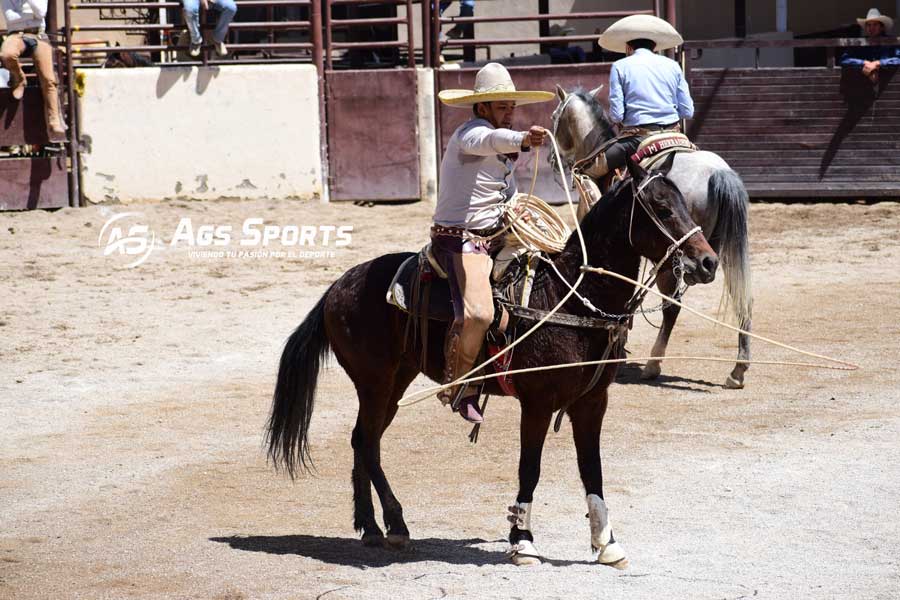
column 674, row 250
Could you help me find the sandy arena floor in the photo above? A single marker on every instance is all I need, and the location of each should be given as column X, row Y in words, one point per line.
column 133, row 401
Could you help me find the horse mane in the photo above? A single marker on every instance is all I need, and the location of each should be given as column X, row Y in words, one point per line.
column 598, row 113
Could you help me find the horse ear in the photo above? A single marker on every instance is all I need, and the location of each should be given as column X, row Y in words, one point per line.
column 118, row 44
column 561, row 93
column 637, row 171
column 597, row 90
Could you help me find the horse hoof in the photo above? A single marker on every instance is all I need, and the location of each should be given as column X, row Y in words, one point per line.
column 651, row 371
column 613, row 556
column 396, row 541
column 524, row 554
column 733, row 384
column 373, row 540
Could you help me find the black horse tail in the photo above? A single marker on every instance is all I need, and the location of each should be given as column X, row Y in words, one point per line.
column 732, row 234
column 295, row 392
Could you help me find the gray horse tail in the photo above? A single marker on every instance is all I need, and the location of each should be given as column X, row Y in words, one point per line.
column 731, row 237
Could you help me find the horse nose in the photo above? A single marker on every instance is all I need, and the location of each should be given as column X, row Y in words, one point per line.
column 708, row 266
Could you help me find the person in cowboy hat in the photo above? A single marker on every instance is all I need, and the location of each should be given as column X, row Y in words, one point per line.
column 476, row 177
column 647, row 92
column 870, row 59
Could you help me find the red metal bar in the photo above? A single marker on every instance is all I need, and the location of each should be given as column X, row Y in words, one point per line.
column 367, row 2
column 329, row 65
column 386, row 44
column 410, row 41
column 670, row 13
column 74, row 118
column 529, row 40
column 435, row 32
column 364, row 22
column 426, row 35
column 548, row 17
column 111, row 49
column 117, row 5
column 281, row 25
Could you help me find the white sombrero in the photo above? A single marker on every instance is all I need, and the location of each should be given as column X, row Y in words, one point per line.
column 637, row 27
column 493, row 84
column 875, row 15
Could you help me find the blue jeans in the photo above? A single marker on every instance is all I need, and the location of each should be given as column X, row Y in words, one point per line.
column 466, row 7
column 226, row 8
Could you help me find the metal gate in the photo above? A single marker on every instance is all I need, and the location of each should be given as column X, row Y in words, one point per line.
column 373, row 145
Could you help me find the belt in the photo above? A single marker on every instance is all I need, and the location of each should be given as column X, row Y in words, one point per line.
column 658, row 127
column 463, row 232
column 34, row 30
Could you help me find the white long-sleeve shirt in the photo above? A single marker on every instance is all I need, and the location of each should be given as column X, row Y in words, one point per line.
column 476, row 175
column 24, row 14
column 648, row 89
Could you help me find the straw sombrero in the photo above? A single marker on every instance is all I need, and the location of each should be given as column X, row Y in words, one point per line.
column 875, row 15
column 637, row 27
column 493, row 84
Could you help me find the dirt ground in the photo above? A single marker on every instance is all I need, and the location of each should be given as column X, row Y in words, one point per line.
column 133, row 403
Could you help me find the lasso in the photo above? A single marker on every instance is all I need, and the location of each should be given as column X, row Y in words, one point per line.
column 552, row 238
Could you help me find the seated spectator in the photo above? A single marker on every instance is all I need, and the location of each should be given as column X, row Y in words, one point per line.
column 870, row 59
column 227, row 10
column 466, row 9
column 26, row 38
column 562, row 52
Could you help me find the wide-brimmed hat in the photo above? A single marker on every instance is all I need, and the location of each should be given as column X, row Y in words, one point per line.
column 875, row 15
column 493, row 84
column 638, row 27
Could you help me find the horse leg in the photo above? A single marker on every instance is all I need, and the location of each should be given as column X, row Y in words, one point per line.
column 735, row 380
column 666, row 284
column 533, row 431
column 587, row 419
column 377, row 410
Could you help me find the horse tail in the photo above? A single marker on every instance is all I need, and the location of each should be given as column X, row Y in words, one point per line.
column 731, row 235
column 295, row 392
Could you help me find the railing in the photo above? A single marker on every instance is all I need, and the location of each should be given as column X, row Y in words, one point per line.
column 694, row 49
column 543, row 17
column 348, row 24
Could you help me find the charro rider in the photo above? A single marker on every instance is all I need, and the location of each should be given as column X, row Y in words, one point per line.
column 476, row 178
column 647, row 92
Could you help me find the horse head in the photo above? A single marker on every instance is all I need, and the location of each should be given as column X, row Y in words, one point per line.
column 661, row 228
column 580, row 125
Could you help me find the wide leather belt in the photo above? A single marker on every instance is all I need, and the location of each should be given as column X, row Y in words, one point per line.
column 462, row 231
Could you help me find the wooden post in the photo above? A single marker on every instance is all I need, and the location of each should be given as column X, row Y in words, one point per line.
column 315, row 25
column 544, row 26
column 426, row 34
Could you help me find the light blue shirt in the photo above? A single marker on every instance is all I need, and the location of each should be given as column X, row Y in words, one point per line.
column 646, row 88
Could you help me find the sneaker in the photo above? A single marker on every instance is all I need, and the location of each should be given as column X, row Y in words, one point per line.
column 194, row 50
column 221, row 49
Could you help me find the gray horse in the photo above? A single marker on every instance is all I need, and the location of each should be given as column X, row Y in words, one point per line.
column 715, row 196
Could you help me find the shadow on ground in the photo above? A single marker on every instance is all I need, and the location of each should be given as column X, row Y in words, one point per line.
column 351, row 552
column 630, row 374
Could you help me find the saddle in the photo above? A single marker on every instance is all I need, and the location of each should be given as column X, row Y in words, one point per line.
column 655, row 149
column 420, row 289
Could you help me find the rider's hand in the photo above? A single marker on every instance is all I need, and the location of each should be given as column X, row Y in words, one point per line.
column 868, row 67
column 534, row 136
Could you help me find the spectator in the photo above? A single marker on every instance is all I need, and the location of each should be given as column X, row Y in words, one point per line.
column 561, row 53
column 227, row 10
column 466, row 9
column 25, row 23
column 870, row 59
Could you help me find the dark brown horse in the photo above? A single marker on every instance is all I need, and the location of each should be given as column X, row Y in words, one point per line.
column 367, row 336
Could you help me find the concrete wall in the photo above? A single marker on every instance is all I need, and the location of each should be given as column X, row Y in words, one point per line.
column 427, row 130
column 205, row 133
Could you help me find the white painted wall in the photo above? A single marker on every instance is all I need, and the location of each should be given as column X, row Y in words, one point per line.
column 201, row 133
column 427, row 130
